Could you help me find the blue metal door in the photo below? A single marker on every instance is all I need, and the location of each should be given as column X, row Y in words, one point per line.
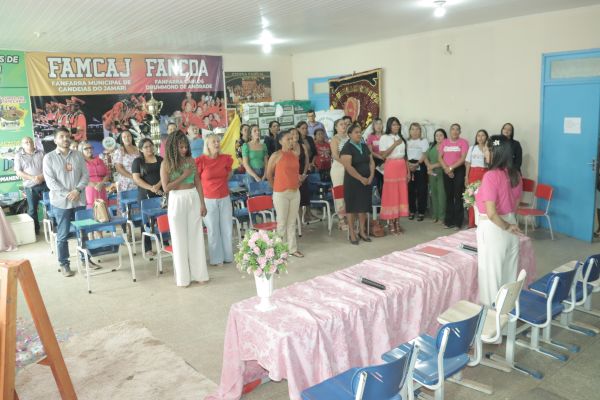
column 568, row 152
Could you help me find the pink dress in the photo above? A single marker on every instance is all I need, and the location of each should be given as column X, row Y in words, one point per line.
column 98, row 171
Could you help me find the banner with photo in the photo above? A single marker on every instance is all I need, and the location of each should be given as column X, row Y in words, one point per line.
column 15, row 116
column 287, row 113
column 358, row 95
column 247, row 87
column 100, row 95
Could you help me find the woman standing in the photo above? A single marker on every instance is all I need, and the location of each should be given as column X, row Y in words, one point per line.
column 323, row 158
column 337, row 169
column 244, row 138
column 359, row 172
column 186, row 209
column 146, row 175
column 254, row 156
column 214, row 169
column 271, row 139
column 475, row 165
column 99, row 175
column 302, row 127
column 123, row 160
column 508, row 130
column 282, row 173
column 453, row 152
column 416, row 149
column 373, row 144
column 301, row 150
column 436, row 177
column 496, row 201
column 394, row 199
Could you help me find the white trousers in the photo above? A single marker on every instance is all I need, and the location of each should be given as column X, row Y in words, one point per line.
column 337, row 179
column 287, row 205
column 497, row 257
column 219, row 223
column 187, row 237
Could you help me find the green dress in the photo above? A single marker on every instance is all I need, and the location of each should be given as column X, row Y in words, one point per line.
column 436, row 185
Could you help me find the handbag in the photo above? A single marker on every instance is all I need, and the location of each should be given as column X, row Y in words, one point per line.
column 376, row 229
column 100, row 211
column 164, row 200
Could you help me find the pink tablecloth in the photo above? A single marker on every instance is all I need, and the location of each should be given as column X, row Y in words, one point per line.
column 325, row 325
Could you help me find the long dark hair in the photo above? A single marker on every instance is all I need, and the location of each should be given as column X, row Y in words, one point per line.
column 173, row 159
column 280, row 136
column 486, row 136
column 501, row 157
column 512, row 130
column 271, row 125
column 435, row 133
column 142, row 157
column 388, row 130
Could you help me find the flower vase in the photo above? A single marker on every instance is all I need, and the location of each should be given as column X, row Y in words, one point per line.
column 264, row 290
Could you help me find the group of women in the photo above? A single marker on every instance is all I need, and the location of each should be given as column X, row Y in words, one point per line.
column 402, row 171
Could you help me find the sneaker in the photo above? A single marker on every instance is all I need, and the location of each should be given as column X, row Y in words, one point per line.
column 448, row 226
column 66, row 271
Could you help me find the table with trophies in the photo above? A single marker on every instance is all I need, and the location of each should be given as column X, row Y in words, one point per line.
column 328, row 324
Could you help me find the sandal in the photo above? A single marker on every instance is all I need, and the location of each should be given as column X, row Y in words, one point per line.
column 297, row 254
column 399, row 229
column 392, row 227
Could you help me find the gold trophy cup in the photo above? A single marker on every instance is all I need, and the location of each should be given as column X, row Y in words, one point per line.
column 153, row 108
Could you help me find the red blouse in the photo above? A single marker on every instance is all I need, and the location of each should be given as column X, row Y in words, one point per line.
column 214, row 175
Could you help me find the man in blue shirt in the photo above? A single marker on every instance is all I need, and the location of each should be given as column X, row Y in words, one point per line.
column 196, row 141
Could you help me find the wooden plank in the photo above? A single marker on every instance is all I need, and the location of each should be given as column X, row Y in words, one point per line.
column 8, row 330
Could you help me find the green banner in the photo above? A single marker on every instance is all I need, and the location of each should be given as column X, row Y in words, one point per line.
column 15, row 115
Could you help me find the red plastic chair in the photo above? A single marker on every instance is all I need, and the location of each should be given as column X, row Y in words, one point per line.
column 528, row 189
column 162, row 223
column 541, row 192
column 262, row 205
column 337, row 192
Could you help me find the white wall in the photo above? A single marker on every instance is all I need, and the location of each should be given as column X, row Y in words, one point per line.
column 280, row 67
column 492, row 76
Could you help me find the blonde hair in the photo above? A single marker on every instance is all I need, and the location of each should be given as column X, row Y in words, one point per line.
column 208, row 137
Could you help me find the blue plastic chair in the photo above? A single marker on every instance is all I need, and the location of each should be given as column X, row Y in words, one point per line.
column 590, row 272
column 97, row 247
column 320, row 196
column 541, row 304
column 379, row 382
column 133, row 212
column 149, row 227
column 259, row 188
column 585, row 291
column 444, row 356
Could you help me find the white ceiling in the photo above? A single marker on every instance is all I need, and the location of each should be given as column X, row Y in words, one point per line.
column 227, row 26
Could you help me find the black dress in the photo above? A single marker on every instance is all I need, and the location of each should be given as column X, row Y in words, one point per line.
column 356, row 195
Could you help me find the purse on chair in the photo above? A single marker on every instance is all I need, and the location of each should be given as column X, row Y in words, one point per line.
column 100, row 211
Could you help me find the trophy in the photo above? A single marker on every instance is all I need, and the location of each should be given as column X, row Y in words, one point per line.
column 153, row 108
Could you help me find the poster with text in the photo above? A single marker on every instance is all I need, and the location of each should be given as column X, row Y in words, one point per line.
column 247, row 87
column 357, row 94
column 15, row 116
column 100, row 95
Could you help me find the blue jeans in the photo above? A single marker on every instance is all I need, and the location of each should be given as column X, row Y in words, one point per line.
column 219, row 225
column 249, row 178
column 34, row 195
column 63, row 217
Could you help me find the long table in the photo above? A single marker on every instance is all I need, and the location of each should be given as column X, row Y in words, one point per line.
column 323, row 326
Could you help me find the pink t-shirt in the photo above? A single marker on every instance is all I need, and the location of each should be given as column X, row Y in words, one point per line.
column 373, row 140
column 452, row 151
column 495, row 186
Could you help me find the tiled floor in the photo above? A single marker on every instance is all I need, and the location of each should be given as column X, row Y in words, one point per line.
column 192, row 320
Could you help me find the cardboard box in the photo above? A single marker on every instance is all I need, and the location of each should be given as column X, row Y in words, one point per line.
column 23, row 227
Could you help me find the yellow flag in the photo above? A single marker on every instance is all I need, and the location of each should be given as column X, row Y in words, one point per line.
column 231, row 136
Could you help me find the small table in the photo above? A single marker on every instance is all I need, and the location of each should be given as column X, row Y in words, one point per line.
column 92, row 225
